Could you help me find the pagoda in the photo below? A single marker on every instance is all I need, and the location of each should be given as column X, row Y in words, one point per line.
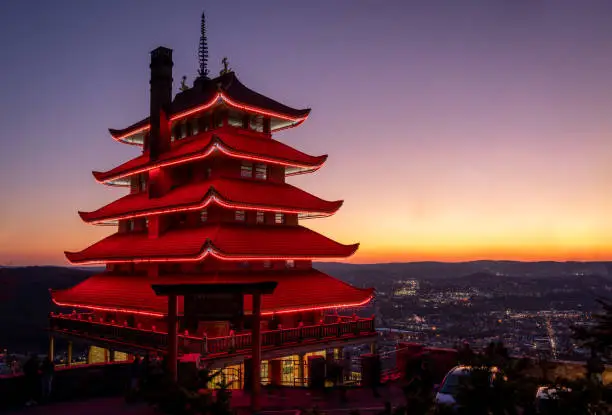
column 208, row 203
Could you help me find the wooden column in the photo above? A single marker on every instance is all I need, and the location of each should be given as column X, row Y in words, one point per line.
column 172, row 336
column 302, row 357
column 275, row 372
column 267, row 125
column 256, row 338
column 51, row 348
column 69, row 353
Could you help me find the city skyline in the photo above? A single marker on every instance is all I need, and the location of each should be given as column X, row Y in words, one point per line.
column 453, row 133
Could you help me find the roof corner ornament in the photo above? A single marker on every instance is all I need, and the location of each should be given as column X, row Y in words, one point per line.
column 203, row 50
column 184, row 86
column 226, row 69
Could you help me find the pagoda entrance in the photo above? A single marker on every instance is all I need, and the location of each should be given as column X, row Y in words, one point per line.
column 214, row 302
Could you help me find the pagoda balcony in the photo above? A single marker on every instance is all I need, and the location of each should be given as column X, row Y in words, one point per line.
column 123, row 337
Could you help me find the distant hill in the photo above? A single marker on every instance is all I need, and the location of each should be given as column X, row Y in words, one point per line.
column 25, row 303
column 431, row 270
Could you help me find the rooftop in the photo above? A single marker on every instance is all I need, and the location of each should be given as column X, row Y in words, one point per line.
column 295, row 290
column 234, row 142
column 227, row 192
column 225, row 89
column 222, row 240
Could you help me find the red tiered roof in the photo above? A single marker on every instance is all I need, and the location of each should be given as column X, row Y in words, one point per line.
column 296, row 291
column 226, row 89
column 231, row 193
column 230, row 141
column 222, row 240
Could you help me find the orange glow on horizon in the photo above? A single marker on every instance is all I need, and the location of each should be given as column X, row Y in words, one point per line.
column 386, row 232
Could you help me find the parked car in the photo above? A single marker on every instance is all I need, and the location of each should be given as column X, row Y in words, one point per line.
column 447, row 391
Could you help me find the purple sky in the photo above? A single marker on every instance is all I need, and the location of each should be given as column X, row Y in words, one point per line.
column 456, row 130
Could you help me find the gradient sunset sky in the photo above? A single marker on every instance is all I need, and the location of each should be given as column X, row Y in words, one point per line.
column 456, row 130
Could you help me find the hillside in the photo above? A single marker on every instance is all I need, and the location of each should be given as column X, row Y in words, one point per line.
column 25, row 303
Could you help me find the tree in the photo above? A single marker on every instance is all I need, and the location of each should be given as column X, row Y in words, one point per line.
column 599, row 335
column 488, row 389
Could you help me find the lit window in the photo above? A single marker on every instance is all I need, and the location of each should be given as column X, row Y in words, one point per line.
column 279, row 218
column 203, row 215
column 290, row 263
column 240, row 216
column 261, row 171
column 256, row 123
column 259, row 217
column 143, row 183
column 131, row 225
column 267, row 264
column 146, row 223
column 195, row 127
column 183, row 130
column 235, row 119
column 246, row 169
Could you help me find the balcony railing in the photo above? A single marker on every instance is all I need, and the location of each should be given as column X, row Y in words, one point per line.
column 80, row 325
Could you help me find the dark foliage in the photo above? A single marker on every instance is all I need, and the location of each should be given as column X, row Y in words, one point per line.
column 599, row 335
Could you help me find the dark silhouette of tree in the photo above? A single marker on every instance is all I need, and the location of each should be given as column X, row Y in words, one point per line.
column 599, row 335
column 487, row 389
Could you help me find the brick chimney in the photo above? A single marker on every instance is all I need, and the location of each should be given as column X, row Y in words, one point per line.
column 158, row 140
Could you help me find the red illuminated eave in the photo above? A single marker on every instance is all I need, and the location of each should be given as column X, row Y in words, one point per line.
column 297, row 291
column 241, row 194
column 226, row 141
column 226, row 241
column 224, row 90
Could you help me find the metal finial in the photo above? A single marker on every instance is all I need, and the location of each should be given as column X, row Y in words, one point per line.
column 203, row 49
column 226, row 68
column 184, row 86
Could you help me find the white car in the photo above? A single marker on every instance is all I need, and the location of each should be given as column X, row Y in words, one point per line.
column 446, row 395
column 447, row 391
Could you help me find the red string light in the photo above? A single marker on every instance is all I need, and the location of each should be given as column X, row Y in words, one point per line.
column 209, row 251
column 215, row 146
column 204, row 204
column 317, row 308
column 109, row 309
column 266, row 313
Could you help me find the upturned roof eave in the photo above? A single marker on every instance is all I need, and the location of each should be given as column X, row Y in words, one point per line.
column 210, row 193
column 209, row 245
column 237, row 95
column 118, row 172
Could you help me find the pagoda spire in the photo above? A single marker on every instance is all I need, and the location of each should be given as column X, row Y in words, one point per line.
column 203, row 49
